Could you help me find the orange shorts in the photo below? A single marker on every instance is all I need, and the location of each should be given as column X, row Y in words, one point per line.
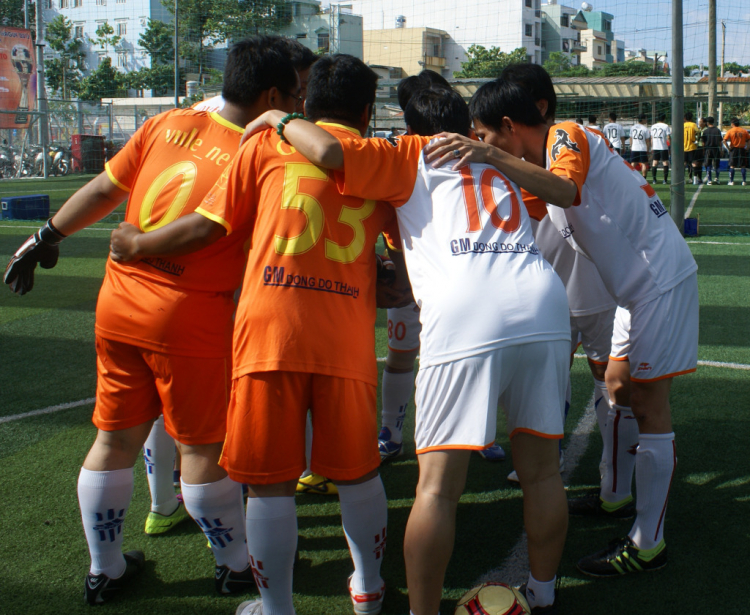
column 265, row 441
column 135, row 385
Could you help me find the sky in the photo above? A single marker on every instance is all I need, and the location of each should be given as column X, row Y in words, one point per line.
column 647, row 24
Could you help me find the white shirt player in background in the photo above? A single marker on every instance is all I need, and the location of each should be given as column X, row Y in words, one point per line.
column 660, row 133
column 615, row 133
column 592, row 123
column 640, row 143
column 494, row 328
column 619, row 222
column 214, row 104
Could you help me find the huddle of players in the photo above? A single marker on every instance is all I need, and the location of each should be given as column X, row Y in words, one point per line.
column 493, row 314
column 703, row 147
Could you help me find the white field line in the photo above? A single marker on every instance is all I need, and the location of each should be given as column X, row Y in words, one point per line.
column 719, row 243
column 91, row 400
column 49, row 410
column 693, row 200
column 724, row 225
column 515, row 569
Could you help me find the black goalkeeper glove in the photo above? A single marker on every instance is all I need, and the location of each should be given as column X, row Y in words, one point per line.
column 43, row 248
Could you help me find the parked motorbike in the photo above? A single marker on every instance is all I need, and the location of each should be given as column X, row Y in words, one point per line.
column 58, row 160
column 7, row 161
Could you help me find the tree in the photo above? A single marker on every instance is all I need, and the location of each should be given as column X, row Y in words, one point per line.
column 104, row 82
column 488, row 63
column 734, row 68
column 689, row 69
column 106, row 36
column 12, row 14
column 632, row 69
column 159, row 79
column 239, row 18
column 158, row 41
column 64, row 72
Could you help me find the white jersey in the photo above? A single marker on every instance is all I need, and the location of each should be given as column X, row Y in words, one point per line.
column 584, row 286
column 594, row 127
column 639, row 134
column 213, row 105
column 659, row 134
column 618, row 220
column 615, row 133
column 477, row 276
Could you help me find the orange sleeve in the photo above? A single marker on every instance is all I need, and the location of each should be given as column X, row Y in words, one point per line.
column 123, row 168
column 231, row 200
column 380, row 170
column 536, row 207
column 568, row 151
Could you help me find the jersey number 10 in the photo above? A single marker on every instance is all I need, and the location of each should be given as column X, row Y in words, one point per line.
column 508, row 225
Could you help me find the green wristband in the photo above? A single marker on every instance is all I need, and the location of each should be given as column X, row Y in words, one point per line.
column 285, row 120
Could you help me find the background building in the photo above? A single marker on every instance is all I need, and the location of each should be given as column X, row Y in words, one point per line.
column 507, row 25
column 333, row 29
column 408, row 49
column 561, row 31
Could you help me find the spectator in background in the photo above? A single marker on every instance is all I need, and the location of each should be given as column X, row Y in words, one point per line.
column 711, row 138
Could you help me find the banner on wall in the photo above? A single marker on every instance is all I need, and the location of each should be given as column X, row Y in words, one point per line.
column 17, row 77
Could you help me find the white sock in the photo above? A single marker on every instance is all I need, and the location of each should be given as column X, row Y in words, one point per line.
column 217, row 509
column 654, row 468
column 602, row 406
column 540, row 593
column 272, row 542
column 308, row 445
column 159, row 454
column 364, row 515
column 395, row 395
column 104, row 498
column 622, row 435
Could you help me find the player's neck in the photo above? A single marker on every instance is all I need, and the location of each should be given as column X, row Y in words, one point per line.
column 347, row 123
column 535, row 142
column 240, row 116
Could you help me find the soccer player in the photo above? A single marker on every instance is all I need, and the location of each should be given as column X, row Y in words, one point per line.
column 615, row 133
column 737, row 139
column 304, row 334
column 164, row 325
column 592, row 123
column 618, row 221
column 403, row 323
column 690, row 130
column 660, row 133
column 468, row 245
column 640, row 144
column 712, row 139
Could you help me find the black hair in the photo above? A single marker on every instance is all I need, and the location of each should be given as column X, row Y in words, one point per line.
column 302, row 58
column 710, row 120
column 340, row 87
column 254, row 66
column 613, row 117
column 592, row 119
column 437, row 109
column 735, row 121
column 579, row 120
column 662, row 118
column 536, row 81
column 500, row 98
column 411, row 85
column 688, row 116
column 642, row 117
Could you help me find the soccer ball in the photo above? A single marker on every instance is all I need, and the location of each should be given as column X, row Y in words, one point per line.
column 493, row 599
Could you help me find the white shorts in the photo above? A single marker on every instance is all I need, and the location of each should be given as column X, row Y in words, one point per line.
column 404, row 328
column 594, row 332
column 659, row 338
column 457, row 401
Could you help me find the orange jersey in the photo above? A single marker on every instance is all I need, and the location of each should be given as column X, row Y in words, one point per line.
column 180, row 305
column 737, row 137
column 308, row 297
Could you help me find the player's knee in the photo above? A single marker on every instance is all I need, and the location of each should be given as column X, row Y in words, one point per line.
column 598, row 370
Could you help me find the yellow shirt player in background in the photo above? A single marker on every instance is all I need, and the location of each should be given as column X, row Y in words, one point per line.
column 164, row 326
column 690, row 147
column 737, row 138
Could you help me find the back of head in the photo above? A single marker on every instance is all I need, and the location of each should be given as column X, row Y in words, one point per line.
column 579, row 121
column 406, row 89
column 429, row 78
column 301, row 57
column 536, row 81
column 710, row 120
column 688, row 117
column 735, row 121
column 613, row 117
column 662, row 119
column 254, row 66
column 500, row 98
column 437, row 109
column 592, row 119
column 340, row 87
column 642, row 118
